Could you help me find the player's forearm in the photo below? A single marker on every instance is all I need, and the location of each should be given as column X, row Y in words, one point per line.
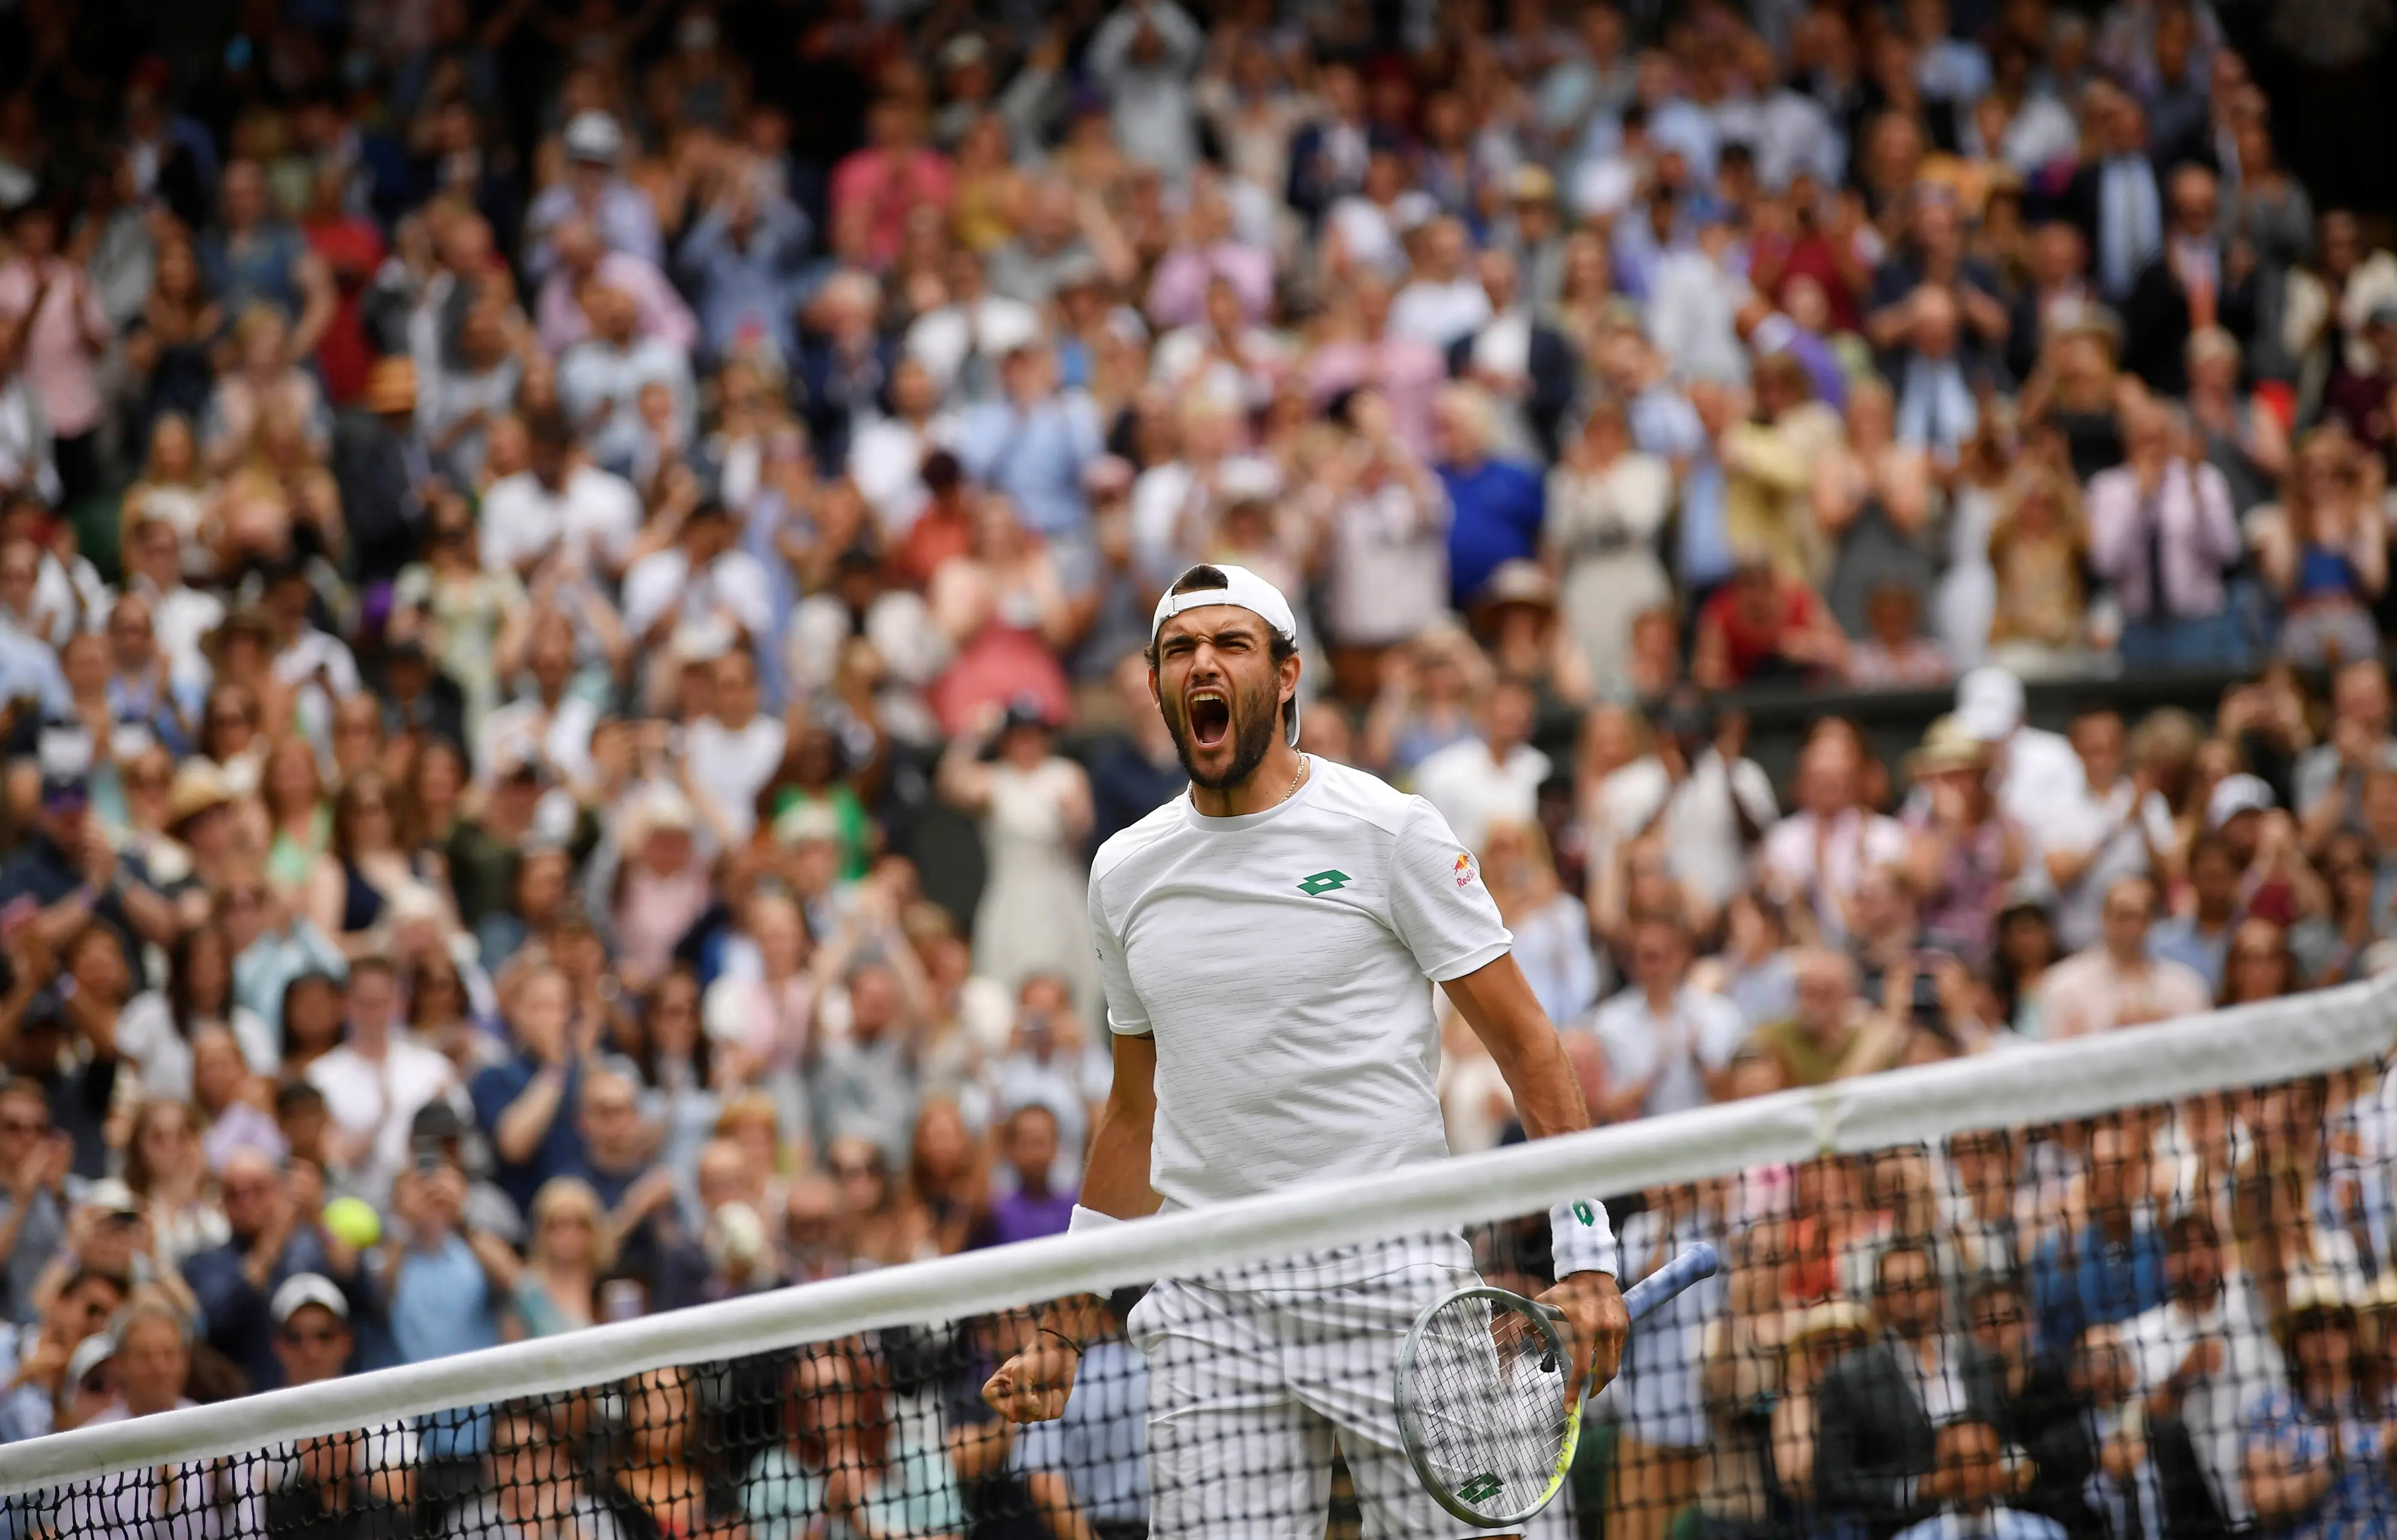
column 1497, row 1002
column 1114, row 1180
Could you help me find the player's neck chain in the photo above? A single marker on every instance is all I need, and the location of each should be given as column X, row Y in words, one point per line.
column 1296, row 776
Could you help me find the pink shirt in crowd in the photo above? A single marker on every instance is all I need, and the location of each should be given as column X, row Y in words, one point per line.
column 558, row 321
column 57, row 361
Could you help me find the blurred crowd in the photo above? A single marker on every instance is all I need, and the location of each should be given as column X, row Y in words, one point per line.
column 533, row 536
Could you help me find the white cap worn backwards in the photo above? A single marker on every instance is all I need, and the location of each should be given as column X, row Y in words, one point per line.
column 1244, row 590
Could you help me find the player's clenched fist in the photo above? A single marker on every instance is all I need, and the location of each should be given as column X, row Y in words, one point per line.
column 1596, row 1324
column 1032, row 1387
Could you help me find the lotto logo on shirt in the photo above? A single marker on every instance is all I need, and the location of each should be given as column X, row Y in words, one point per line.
column 1464, row 869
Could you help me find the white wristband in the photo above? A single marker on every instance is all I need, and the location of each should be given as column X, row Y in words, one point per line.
column 1090, row 1219
column 1580, row 1240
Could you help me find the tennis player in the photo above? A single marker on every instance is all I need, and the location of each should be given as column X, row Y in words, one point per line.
column 1265, row 944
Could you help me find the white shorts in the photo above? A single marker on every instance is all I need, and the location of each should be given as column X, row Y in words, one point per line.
column 1252, row 1380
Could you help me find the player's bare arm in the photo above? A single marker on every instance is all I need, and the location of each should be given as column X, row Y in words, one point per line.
column 1497, row 1002
column 1033, row 1386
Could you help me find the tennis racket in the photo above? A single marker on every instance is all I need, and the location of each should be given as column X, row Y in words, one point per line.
column 1484, row 1410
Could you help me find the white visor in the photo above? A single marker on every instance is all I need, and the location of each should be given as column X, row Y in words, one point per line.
column 1243, row 590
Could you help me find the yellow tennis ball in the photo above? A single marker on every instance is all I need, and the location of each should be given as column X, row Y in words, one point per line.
column 353, row 1221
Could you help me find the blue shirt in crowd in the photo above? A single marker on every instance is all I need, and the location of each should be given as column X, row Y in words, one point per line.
column 1498, row 507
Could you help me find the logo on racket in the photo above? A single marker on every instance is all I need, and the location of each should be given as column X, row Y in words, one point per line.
column 1481, row 1487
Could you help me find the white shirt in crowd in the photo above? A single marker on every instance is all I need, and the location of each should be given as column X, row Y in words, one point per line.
column 380, row 1099
column 2081, row 821
column 2036, row 770
column 1290, row 945
column 595, row 514
column 730, row 766
column 733, row 588
column 1704, row 846
column 525, row 730
column 1473, row 791
column 1856, row 841
column 1437, row 313
column 886, row 460
column 1670, row 1054
column 2213, row 1406
column 942, row 340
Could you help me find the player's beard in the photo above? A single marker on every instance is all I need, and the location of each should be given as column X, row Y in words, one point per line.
column 1256, row 716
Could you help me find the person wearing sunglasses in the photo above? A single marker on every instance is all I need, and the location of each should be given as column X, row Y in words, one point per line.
column 294, row 1487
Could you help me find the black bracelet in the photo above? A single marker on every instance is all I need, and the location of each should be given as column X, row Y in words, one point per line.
column 1053, row 1332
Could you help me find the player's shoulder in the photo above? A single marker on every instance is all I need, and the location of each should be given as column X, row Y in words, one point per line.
column 1159, row 825
column 1343, row 791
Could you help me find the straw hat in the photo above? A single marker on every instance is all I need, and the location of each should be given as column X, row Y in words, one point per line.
column 1947, row 746
column 1831, row 1316
column 198, row 786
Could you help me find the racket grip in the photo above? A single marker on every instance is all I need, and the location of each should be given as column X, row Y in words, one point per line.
column 1698, row 1261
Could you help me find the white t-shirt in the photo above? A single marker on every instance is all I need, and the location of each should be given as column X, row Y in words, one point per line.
column 1857, row 841
column 886, row 460
column 595, row 513
column 1438, row 313
column 365, row 1097
column 1669, row 1054
column 2035, row 769
column 2074, row 822
column 732, row 765
column 735, row 584
column 1703, row 844
column 526, row 728
column 1473, row 791
column 2213, row 1407
column 1279, row 960
column 941, row 339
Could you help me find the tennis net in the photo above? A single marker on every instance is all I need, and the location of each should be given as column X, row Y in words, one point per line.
column 2134, row 1287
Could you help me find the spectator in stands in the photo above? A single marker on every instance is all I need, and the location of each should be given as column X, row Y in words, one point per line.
column 151, row 1365
column 2110, row 1266
column 37, row 1160
column 1818, row 854
column 1661, row 1457
column 525, row 1106
column 277, row 1232
column 1971, row 1475
column 2199, row 1355
column 2162, row 533
column 1879, row 1410
column 2313, row 1455
column 1493, row 777
column 2116, row 825
column 2117, row 982
column 1667, row 1046
column 1834, row 1034
column 530, row 1481
column 1031, row 1206
column 847, row 1455
column 367, row 1477
column 571, row 1245
column 1496, row 506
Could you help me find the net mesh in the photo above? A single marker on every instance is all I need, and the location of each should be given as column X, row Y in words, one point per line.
column 2075, row 1292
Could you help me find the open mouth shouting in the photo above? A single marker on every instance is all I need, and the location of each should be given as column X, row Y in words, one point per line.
column 1208, row 709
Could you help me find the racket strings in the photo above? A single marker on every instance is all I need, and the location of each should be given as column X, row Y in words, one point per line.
column 1490, row 1405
